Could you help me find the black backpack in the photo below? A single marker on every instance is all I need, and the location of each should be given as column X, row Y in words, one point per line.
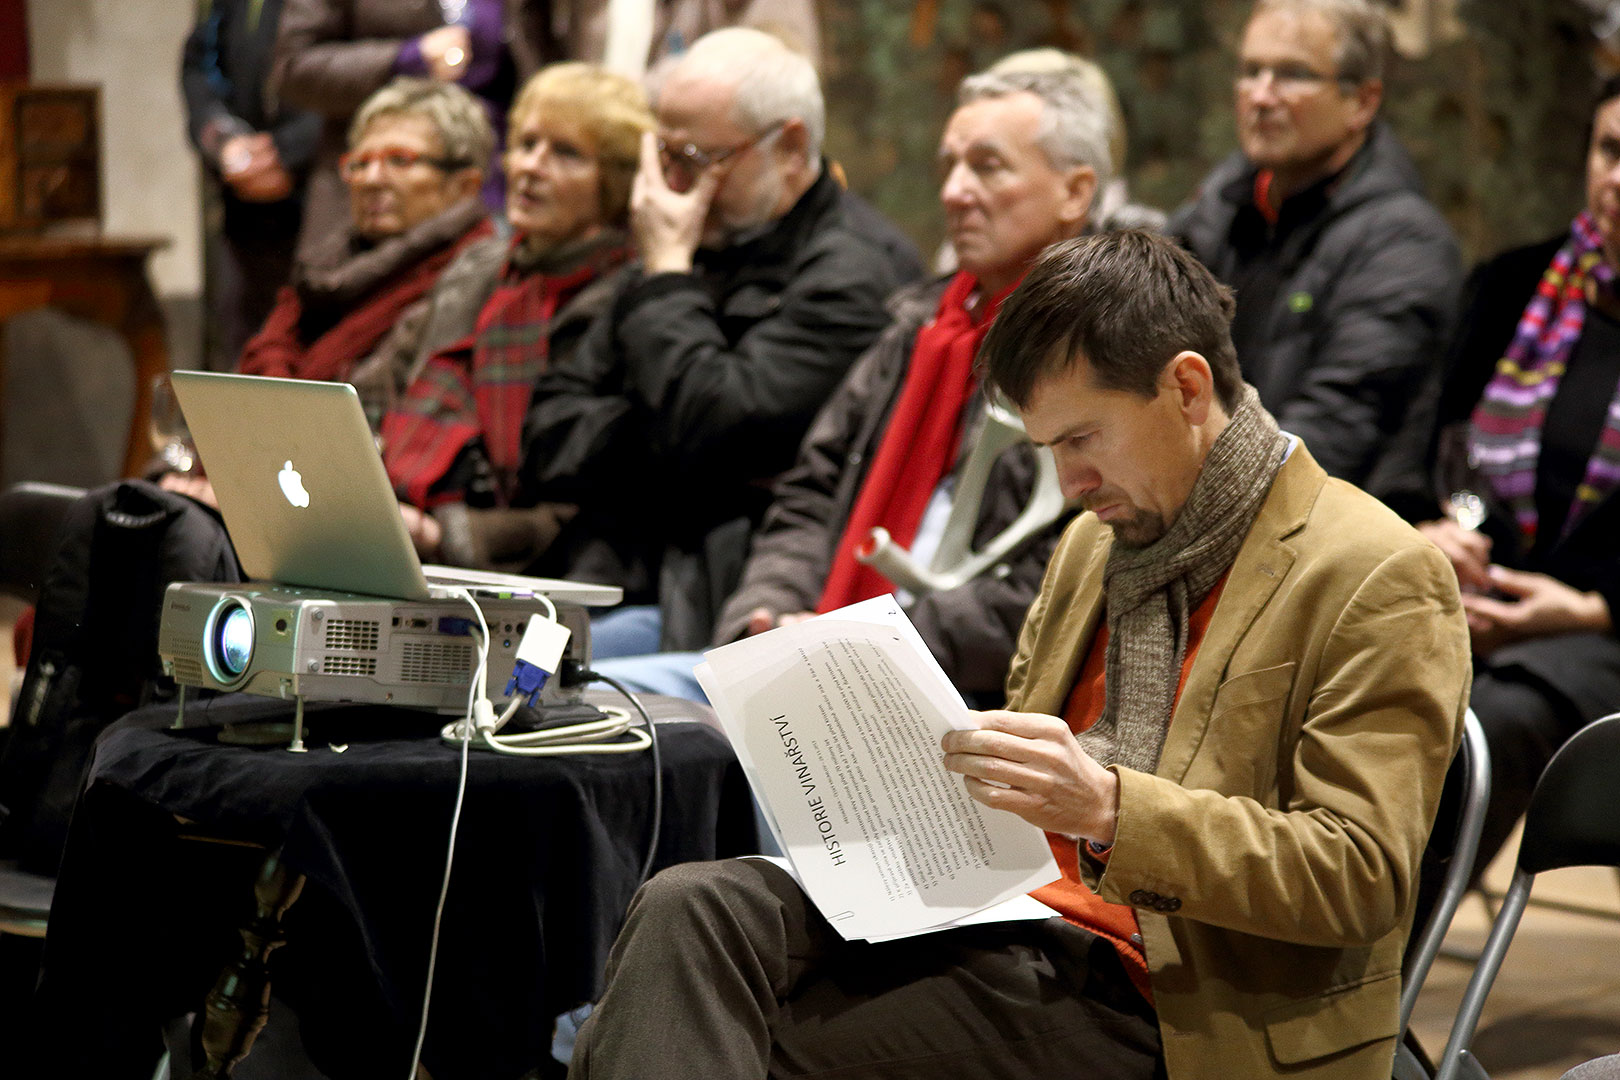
column 94, row 654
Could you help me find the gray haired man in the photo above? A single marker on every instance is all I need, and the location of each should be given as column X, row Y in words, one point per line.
column 1021, row 158
column 761, row 282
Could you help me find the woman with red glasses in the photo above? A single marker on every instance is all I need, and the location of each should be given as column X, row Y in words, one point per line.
column 356, row 308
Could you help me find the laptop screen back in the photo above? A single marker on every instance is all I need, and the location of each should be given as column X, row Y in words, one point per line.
column 300, row 483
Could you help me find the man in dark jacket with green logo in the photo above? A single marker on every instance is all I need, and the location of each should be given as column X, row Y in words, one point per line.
column 1346, row 276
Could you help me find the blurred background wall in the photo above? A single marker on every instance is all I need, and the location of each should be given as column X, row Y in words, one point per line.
column 132, row 48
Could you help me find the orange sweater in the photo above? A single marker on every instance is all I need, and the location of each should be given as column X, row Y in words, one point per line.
column 1069, row 895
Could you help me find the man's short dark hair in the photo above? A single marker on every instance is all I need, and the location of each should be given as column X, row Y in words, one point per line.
column 1127, row 301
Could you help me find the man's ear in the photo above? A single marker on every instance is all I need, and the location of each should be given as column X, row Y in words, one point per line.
column 1079, row 191
column 794, row 140
column 1193, row 381
column 1368, row 95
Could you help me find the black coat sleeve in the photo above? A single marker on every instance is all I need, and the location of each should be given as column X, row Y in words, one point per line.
column 1394, row 302
column 205, row 105
column 661, row 389
column 792, row 552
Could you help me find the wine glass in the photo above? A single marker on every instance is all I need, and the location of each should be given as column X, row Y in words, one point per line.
column 1466, row 508
column 171, row 439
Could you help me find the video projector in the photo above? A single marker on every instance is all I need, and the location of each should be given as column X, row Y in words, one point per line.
column 321, row 645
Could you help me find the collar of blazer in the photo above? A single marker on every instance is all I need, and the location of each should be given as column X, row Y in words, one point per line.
column 1264, row 560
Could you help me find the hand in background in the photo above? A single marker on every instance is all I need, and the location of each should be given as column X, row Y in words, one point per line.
column 1528, row 605
column 762, row 619
column 1469, row 551
column 447, row 52
column 194, row 485
column 252, row 167
column 424, row 531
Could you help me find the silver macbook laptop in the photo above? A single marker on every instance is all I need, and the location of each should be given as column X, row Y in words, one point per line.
column 306, row 499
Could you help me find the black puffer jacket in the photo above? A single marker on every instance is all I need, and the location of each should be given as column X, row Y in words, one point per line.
column 1368, row 294
column 668, row 424
column 972, row 630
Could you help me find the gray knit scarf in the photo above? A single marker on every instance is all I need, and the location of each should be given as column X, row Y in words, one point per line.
column 1151, row 591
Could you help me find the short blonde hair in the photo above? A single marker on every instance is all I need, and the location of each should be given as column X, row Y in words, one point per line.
column 611, row 108
column 455, row 114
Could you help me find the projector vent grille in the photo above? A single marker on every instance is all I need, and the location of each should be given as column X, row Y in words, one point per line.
column 357, row 634
column 435, row 662
column 188, row 671
column 349, row 665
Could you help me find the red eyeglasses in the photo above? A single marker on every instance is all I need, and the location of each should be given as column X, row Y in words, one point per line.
column 391, row 159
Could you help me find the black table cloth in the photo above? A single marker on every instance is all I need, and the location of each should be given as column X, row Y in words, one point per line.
column 548, row 856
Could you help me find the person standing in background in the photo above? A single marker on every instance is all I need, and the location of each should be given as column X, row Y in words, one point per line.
column 331, row 55
column 256, row 157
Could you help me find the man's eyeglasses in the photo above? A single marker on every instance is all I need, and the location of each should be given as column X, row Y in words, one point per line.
column 391, row 159
column 1286, row 79
column 683, row 163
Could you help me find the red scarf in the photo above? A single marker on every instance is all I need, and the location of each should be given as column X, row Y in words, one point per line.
column 279, row 348
column 1262, row 196
column 920, row 442
column 482, row 385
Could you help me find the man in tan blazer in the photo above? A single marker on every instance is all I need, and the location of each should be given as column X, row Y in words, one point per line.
column 1232, row 710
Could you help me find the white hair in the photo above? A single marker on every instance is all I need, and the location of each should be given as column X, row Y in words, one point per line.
column 1075, row 122
column 773, row 82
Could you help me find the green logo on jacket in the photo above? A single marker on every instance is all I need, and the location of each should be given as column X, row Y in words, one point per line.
column 1300, row 303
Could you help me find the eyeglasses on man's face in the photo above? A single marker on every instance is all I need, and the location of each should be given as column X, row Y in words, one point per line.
column 1287, row 79
column 683, row 163
column 391, row 160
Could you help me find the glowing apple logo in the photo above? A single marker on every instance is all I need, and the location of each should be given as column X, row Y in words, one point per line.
column 292, row 485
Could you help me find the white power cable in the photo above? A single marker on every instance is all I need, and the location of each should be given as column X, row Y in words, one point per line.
column 476, row 688
column 480, row 725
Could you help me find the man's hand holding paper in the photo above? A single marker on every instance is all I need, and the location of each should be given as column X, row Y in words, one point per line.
column 1029, row 764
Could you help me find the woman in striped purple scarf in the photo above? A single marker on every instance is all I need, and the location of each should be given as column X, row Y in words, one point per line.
column 1526, row 464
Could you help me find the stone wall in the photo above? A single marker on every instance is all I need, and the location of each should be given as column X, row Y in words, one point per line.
column 1491, row 96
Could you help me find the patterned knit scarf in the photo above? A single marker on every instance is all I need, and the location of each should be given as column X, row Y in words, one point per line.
column 480, row 386
column 1151, row 591
column 1504, row 433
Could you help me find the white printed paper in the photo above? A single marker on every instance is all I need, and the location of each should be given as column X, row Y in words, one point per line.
column 837, row 722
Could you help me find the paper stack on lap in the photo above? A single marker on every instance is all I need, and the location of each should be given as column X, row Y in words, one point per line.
column 837, row 722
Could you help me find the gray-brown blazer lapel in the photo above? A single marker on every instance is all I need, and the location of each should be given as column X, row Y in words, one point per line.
column 1262, row 562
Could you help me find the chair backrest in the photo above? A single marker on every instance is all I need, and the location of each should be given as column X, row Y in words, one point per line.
column 1573, row 820
column 1453, row 846
column 1574, row 815
column 31, row 516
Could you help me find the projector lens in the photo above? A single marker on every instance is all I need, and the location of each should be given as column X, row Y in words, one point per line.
column 230, row 640
column 236, row 640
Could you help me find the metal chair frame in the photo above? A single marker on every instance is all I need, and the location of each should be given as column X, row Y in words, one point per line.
column 1572, row 821
column 1473, row 765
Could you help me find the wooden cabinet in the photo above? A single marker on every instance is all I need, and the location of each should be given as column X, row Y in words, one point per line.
column 50, row 156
